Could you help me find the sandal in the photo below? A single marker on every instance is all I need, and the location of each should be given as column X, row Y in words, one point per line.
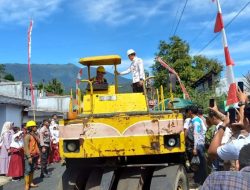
column 32, row 185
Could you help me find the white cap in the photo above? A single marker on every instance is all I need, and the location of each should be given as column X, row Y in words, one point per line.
column 130, row 51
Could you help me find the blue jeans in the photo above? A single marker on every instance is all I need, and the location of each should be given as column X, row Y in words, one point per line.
column 201, row 174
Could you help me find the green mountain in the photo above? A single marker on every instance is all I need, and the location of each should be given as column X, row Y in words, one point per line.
column 66, row 73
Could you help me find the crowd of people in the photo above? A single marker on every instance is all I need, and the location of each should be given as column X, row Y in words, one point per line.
column 30, row 147
column 218, row 146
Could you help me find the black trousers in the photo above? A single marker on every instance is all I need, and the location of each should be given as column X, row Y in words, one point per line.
column 137, row 87
column 44, row 159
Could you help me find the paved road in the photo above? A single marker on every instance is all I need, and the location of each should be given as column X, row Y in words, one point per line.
column 44, row 184
column 51, row 182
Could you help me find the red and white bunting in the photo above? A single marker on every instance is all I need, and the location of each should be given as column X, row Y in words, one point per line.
column 219, row 27
column 78, row 81
column 29, row 66
column 164, row 64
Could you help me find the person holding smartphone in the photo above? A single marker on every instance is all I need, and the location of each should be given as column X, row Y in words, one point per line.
column 230, row 151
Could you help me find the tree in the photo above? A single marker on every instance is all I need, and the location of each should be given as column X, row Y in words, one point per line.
column 54, row 86
column 9, row 77
column 40, row 86
column 189, row 68
column 2, row 70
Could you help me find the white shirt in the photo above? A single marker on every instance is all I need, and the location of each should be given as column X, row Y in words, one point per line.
column 55, row 136
column 231, row 150
column 137, row 70
column 187, row 123
column 52, row 125
column 17, row 141
column 227, row 134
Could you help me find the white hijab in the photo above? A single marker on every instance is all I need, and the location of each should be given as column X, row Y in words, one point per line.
column 55, row 135
column 6, row 127
column 17, row 141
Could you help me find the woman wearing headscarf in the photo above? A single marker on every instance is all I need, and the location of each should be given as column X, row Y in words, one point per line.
column 16, row 166
column 5, row 141
column 55, row 144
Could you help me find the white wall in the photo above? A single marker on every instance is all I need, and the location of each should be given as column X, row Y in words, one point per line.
column 14, row 114
column 53, row 103
column 2, row 115
column 11, row 89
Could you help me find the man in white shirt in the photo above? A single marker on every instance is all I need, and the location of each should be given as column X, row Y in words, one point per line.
column 137, row 70
column 214, row 119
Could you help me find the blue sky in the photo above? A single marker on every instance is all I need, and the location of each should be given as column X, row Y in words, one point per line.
column 66, row 30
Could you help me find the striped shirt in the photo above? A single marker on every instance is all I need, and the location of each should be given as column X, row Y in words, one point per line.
column 228, row 180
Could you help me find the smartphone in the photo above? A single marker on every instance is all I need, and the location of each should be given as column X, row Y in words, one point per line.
column 241, row 86
column 232, row 115
column 211, row 102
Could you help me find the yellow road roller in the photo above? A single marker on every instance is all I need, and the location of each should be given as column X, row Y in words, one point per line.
column 115, row 141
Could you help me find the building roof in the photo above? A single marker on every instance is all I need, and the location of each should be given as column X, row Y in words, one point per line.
column 14, row 101
column 204, row 78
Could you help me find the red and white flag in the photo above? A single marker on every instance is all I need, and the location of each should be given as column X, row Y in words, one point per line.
column 29, row 58
column 78, row 81
column 78, row 78
column 164, row 64
column 219, row 27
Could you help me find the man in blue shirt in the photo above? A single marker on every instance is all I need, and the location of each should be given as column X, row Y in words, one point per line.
column 198, row 130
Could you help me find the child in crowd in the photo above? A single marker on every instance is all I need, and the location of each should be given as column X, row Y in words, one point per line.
column 16, row 165
column 55, row 144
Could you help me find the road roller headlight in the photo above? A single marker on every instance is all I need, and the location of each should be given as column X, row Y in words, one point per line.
column 172, row 141
column 71, row 146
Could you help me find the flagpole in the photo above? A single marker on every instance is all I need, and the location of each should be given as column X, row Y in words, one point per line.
column 219, row 27
column 78, row 81
column 29, row 68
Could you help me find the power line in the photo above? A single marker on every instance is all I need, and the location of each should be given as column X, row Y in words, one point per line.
column 180, row 18
column 203, row 29
column 172, row 28
column 245, row 6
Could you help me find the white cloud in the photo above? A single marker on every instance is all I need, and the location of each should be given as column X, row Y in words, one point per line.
column 243, row 62
column 239, row 47
column 148, row 63
column 20, row 11
column 210, row 52
column 198, row 5
column 117, row 12
column 227, row 17
column 239, row 34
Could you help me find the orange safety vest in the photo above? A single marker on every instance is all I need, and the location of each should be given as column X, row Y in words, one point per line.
column 33, row 146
